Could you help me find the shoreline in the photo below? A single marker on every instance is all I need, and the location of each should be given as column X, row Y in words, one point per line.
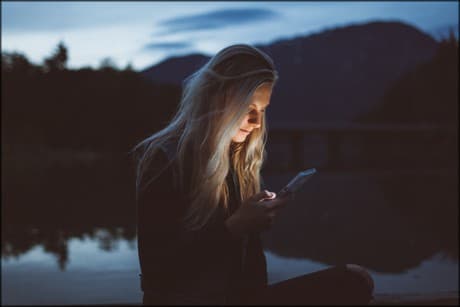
column 435, row 299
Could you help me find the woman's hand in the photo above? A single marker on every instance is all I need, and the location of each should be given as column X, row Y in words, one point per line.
column 255, row 214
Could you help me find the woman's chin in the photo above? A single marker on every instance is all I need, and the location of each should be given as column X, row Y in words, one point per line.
column 239, row 138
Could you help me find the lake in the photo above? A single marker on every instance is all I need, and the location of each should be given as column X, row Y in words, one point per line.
column 68, row 232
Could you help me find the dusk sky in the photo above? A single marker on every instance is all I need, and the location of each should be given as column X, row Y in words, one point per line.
column 144, row 33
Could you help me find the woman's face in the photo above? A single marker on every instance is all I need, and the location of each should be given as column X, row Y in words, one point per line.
column 259, row 102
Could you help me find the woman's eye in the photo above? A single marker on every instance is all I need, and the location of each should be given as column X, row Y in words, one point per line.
column 255, row 111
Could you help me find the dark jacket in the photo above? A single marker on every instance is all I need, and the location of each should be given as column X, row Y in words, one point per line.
column 204, row 266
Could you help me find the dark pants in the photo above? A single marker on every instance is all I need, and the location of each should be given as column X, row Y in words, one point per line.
column 340, row 285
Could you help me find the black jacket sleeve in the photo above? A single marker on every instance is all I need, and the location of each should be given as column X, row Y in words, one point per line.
column 169, row 254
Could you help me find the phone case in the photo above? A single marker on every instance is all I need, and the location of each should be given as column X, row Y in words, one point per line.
column 296, row 183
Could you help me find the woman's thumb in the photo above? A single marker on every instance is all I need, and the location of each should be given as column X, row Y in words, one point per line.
column 262, row 195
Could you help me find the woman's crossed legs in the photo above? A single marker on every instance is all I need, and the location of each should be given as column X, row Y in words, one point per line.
column 340, row 285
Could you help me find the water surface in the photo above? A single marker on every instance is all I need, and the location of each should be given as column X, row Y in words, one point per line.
column 68, row 234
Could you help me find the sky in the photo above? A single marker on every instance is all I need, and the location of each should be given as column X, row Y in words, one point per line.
column 145, row 33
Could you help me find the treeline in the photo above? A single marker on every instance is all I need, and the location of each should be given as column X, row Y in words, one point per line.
column 427, row 94
column 111, row 109
column 105, row 109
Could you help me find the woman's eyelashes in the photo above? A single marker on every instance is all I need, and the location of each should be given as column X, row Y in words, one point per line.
column 253, row 111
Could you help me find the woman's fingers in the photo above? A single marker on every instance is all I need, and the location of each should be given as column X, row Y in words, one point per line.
column 275, row 203
column 263, row 195
column 271, row 195
column 259, row 210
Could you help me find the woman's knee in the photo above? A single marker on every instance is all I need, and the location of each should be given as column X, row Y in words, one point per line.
column 363, row 275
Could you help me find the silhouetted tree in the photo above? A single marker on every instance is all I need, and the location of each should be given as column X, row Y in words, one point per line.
column 58, row 60
column 18, row 64
column 86, row 109
column 108, row 63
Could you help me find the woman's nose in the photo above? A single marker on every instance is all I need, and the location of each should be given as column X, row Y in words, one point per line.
column 255, row 120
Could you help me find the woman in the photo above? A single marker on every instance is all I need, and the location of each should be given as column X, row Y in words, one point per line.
column 200, row 204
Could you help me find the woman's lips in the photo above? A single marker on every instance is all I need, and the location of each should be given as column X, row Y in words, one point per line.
column 245, row 131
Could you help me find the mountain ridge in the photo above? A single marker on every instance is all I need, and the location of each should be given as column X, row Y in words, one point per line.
column 333, row 75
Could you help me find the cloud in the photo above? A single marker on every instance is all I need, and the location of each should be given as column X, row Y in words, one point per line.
column 168, row 46
column 216, row 19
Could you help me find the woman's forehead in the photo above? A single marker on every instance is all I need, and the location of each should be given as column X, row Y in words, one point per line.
column 261, row 96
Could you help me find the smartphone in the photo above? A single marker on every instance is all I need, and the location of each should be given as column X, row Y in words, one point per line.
column 296, row 183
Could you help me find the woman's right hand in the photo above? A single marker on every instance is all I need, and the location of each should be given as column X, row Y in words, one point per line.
column 255, row 214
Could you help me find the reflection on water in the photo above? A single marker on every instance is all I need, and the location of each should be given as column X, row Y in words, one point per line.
column 68, row 235
column 54, row 241
column 387, row 221
column 95, row 276
column 92, row 275
column 433, row 275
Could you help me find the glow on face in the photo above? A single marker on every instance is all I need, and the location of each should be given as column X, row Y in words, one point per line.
column 259, row 102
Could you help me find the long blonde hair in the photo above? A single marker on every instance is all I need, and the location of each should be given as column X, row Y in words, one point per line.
column 214, row 101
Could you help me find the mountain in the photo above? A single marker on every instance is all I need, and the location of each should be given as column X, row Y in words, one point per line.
column 173, row 70
column 426, row 94
column 331, row 76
